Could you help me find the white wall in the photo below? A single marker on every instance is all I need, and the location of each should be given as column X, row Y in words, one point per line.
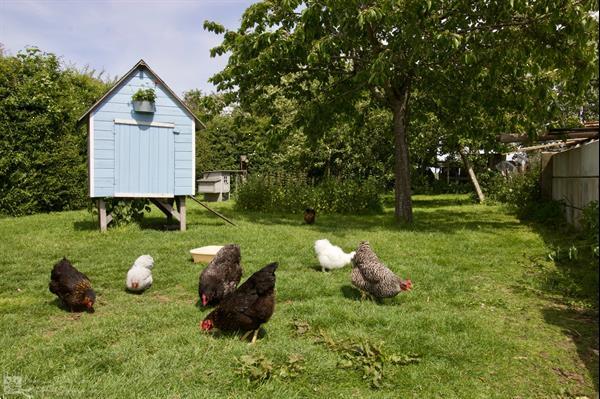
column 575, row 179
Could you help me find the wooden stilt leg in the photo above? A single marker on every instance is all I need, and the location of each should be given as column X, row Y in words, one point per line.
column 170, row 216
column 102, row 215
column 181, row 210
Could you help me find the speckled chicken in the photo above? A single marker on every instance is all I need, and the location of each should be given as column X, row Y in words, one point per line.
column 373, row 277
column 72, row 287
column 222, row 275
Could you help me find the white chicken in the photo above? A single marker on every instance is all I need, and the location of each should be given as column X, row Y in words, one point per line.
column 331, row 256
column 139, row 277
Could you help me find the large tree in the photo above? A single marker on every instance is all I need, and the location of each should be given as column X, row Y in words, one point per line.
column 508, row 56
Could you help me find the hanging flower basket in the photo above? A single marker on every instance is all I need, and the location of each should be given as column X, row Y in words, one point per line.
column 144, row 106
column 143, row 100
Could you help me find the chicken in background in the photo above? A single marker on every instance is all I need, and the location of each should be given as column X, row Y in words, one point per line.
column 371, row 276
column 250, row 306
column 72, row 287
column 331, row 256
column 139, row 277
column 221, row 276
column 309, row 215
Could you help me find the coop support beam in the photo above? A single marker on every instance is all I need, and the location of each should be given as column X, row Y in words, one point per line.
column 103, row 218
column 166, row 206
column 180, row 201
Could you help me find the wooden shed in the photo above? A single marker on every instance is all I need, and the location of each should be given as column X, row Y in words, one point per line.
column 141, row 153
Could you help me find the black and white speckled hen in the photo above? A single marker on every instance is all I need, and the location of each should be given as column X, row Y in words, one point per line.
column 250, row 306
column 370, row 275
column 221, row 276
column 72, row 287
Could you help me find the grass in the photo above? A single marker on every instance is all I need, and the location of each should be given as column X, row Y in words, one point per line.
column 488, row 316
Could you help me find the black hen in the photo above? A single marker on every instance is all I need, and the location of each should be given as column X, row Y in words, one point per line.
column 72, row 287
column 221, row 276
column 251, row 305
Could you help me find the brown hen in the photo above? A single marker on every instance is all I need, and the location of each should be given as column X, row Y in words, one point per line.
column 72, row 287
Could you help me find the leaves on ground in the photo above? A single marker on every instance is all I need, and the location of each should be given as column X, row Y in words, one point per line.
column 366, row 356
column 260, row 368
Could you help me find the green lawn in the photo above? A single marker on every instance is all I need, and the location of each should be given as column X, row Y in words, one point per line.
column 489, row 315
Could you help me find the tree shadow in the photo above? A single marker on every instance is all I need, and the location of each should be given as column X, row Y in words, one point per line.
column 572, row 285
column 447, row 221
column 441, row 202
column 581, row 327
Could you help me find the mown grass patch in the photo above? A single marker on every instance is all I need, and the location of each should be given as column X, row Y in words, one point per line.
column 480, row 319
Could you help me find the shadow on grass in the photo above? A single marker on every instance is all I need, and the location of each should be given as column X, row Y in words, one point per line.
column 441, row 202
column 156, row 220
column 447, row 221
column 581, row 327
column 218, row 334
column 573, row 286
column 62, row 306
column 85, row 225
column 350, row 292
column 427, row 216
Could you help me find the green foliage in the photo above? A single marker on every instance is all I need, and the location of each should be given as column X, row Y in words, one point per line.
column 477, row 68
column 260, row 369
column 589, row 225
column 124, row 211
column 43, row 157
column 293, row 194
column 366, row 356
column 147, row 94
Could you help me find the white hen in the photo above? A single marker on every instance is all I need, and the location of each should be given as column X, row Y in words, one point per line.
column 331, row 256
column 139, row 277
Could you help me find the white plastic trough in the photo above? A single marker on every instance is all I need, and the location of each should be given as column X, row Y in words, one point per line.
column 205, row 254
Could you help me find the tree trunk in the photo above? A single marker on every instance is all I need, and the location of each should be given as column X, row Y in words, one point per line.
column 472, row 175
column 402, row 202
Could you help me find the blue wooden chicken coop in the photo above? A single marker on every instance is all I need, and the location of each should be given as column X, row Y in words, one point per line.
column 141, row 149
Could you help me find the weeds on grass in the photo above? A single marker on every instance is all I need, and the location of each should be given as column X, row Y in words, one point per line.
column 260, row 368
column 366, row 356
column 300, row 327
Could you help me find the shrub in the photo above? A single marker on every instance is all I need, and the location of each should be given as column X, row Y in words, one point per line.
column 521, row 193
column 42, row 150
column 589, row 225
column 288, row 194
column 124, row 211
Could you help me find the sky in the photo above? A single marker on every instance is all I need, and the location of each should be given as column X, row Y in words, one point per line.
column 113, row 35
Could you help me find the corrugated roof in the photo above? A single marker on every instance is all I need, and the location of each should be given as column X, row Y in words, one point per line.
column 141, row 64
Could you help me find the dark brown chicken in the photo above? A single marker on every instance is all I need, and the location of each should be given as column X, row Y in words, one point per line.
column 72, row 287
column 309, row 215
column 251, row 305
column 221, row 276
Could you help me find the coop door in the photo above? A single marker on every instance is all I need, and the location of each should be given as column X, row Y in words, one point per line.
column 144, row 160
